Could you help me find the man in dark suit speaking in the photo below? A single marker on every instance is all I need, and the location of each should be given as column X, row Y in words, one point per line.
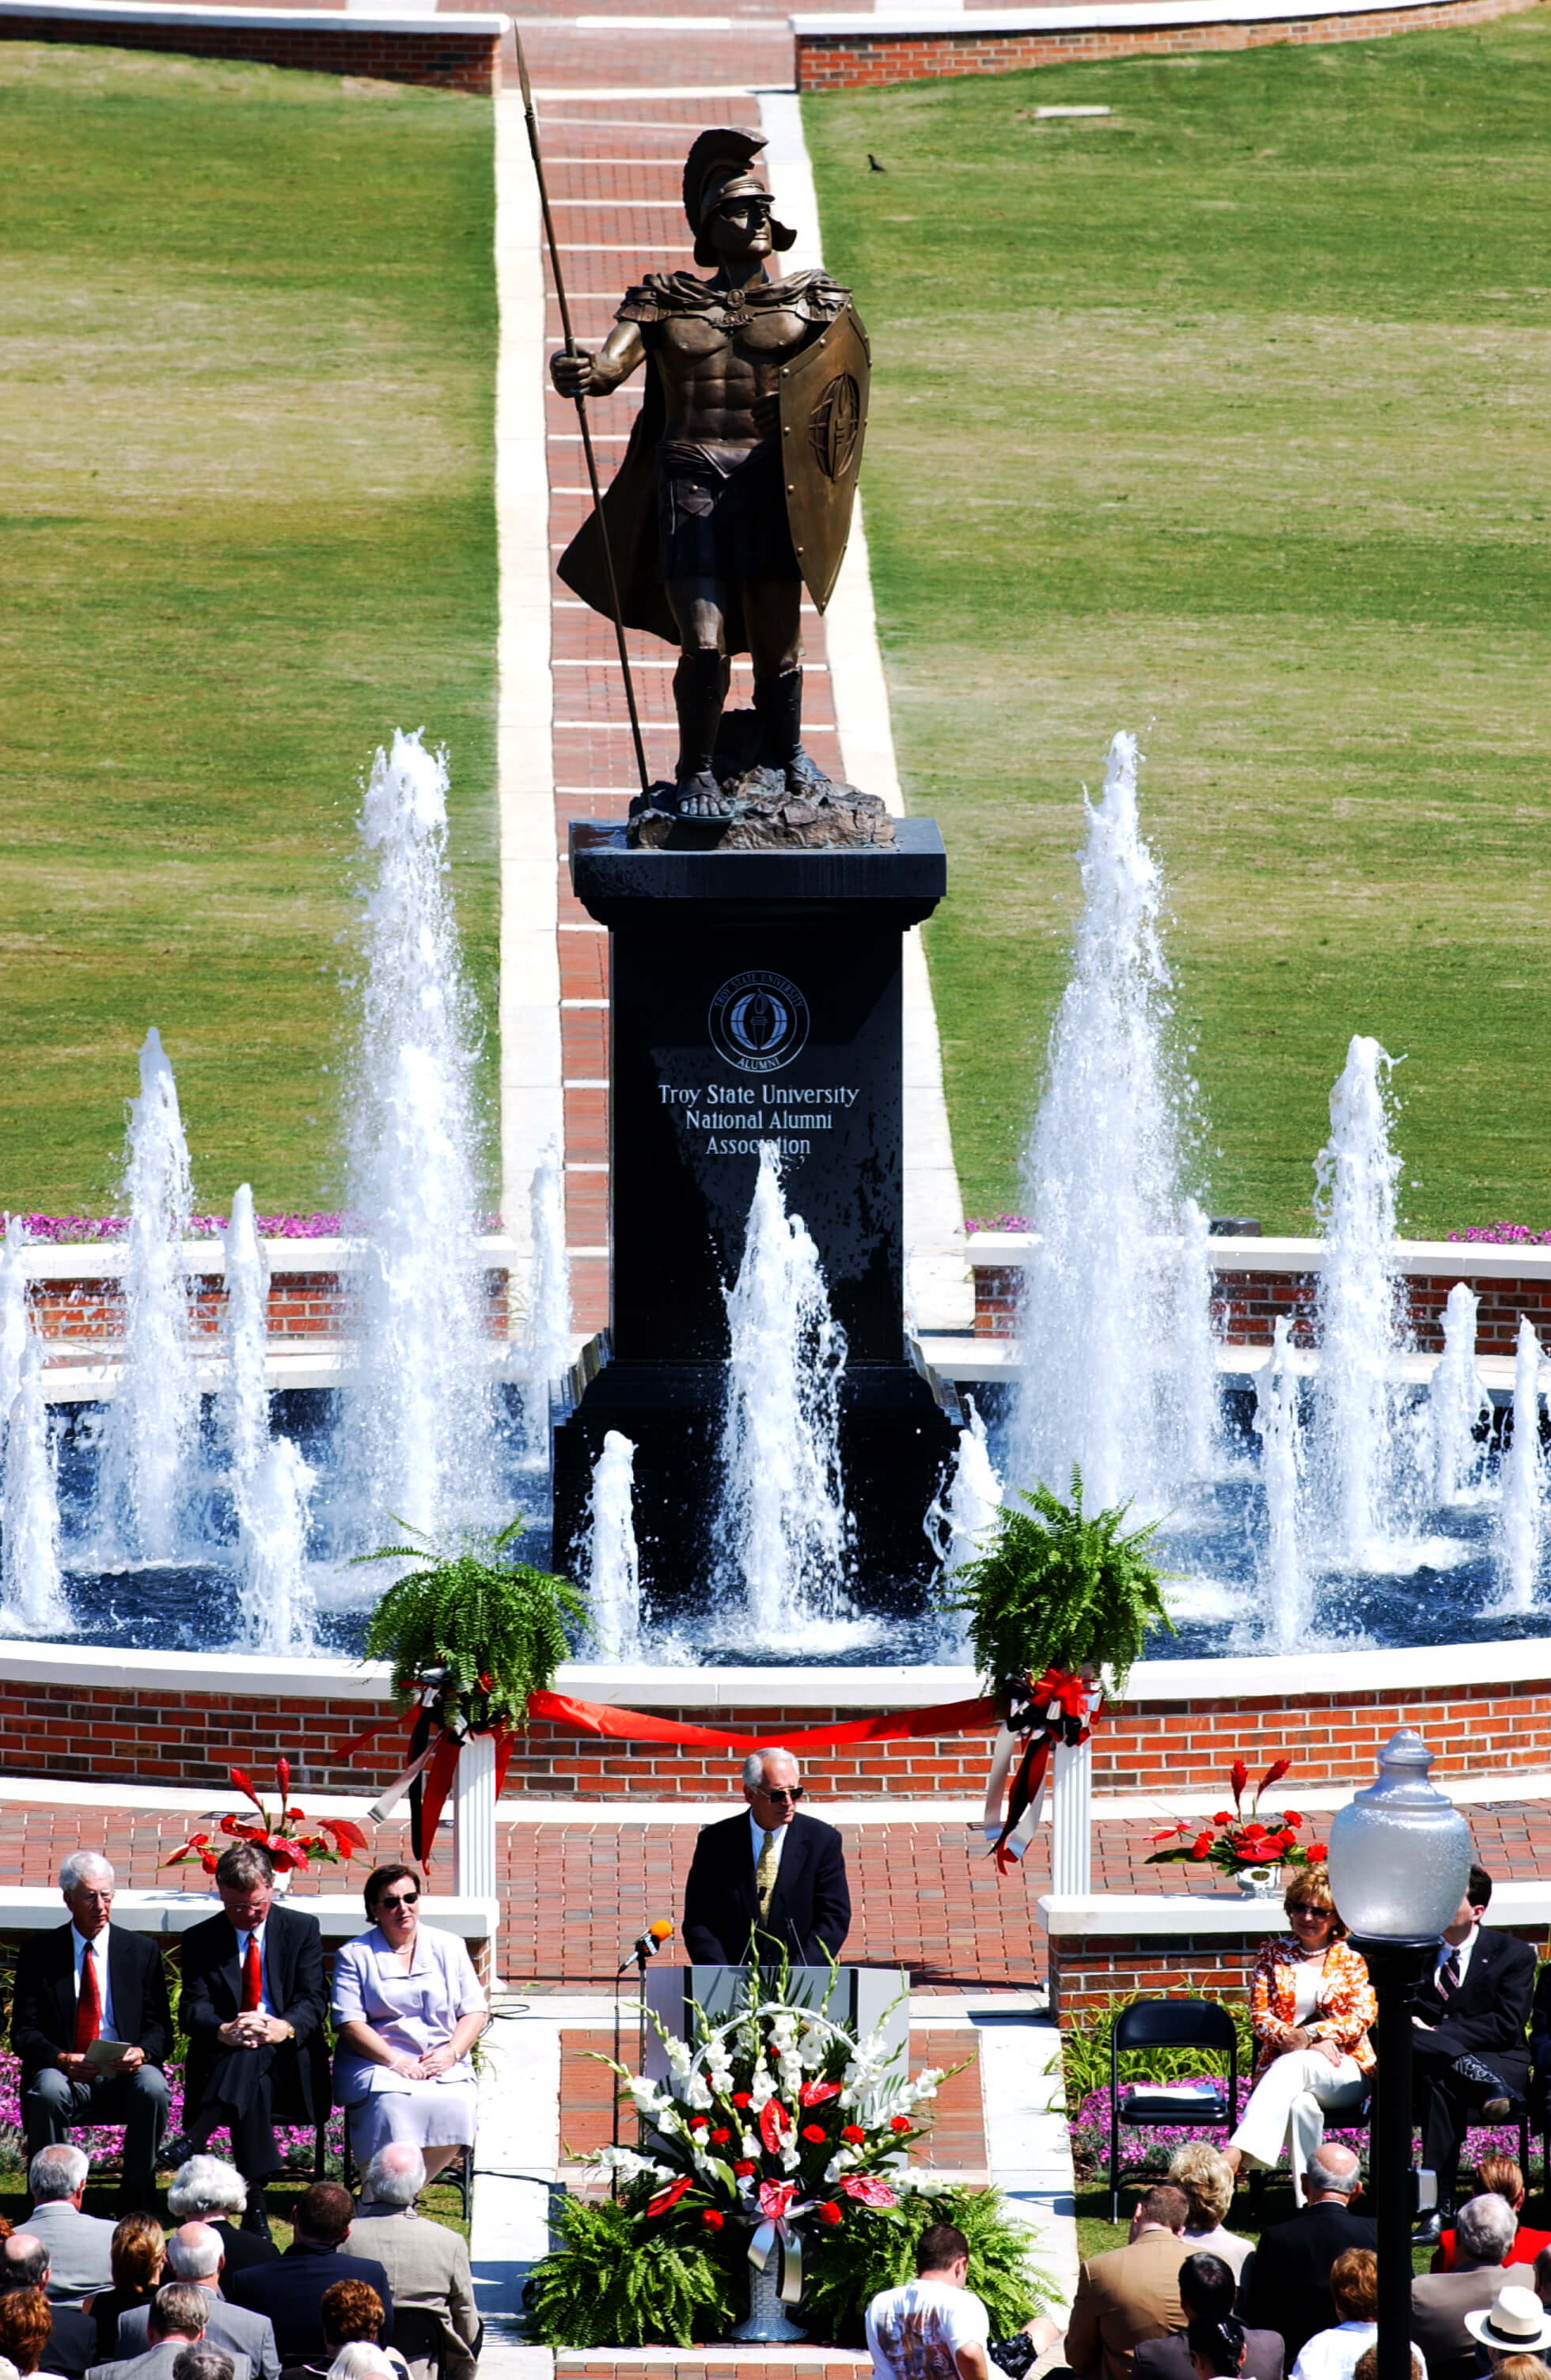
column 253, row 2009
column 91, row 2026
column 771, row 1884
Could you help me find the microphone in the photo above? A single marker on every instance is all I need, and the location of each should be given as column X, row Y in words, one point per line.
column 647, row 1945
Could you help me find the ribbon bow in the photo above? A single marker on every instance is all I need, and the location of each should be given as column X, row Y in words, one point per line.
column 437, row 1735
column 779, row 2213
column 1056, row 1708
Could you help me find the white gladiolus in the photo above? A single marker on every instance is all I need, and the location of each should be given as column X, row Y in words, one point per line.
column 762, row 2090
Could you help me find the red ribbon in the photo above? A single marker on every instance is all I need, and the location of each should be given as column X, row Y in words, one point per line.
column 1055, row 1698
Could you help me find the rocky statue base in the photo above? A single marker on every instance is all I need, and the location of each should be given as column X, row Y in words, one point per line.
column 763, row 813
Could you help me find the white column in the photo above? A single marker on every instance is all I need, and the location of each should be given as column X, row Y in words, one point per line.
column 474, row 1820
column 1071, row 1818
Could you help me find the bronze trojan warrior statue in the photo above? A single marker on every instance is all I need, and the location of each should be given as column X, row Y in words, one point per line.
column 737, row 487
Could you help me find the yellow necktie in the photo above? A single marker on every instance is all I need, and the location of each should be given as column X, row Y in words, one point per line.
column 765, row 1874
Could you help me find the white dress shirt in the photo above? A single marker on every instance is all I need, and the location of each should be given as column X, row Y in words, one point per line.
column 97, row 1948
column 1461, row 1950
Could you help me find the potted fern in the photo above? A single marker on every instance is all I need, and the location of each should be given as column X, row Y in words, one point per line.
column 487, row 1629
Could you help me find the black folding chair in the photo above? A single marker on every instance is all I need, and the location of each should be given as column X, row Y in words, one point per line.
column 1168, row 2024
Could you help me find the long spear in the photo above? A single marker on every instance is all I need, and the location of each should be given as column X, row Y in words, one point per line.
column 572, row 349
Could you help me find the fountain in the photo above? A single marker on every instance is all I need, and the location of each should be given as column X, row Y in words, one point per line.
column 613, row 1568
column 784, row 1536
column 960, row 1519
column 1521, row 1517
column 244, row 1401
column 1198, row 1401
column 272, row 1505
column 1282, row 1583
column 1457, row 1403
column 1107, row 1340
column 420, row 1418
column 546, row 1341
column 149, row 1435
column 32, row 1590
column 13, row 1314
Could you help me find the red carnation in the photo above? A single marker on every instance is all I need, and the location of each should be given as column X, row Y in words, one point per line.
column 744, row 2165
column 720, row 2136
column 698, row 2123
column 899, row 2123
column 1201, row 1846
column 1222, row 1817
column 813, row 2133
column 712, row 2219
column 1292, row 1817
column 742, row 2099
column 830, row 2212
column 672, row 2195
column 1317, row 1851
column 852, row 2132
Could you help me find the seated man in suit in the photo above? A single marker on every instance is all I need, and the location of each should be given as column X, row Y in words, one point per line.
column 1470, row 2058
column 426, row 2264
column 1483, row 2237
column 80, row 2246
column 178, row 2320
column 253, row 2005
column 194, row 2256
column 1289, row 2287
column 291, row 2290
column 774, row 1878
column 91, row 2026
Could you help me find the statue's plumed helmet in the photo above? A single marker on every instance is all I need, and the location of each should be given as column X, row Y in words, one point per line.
column 718, row 169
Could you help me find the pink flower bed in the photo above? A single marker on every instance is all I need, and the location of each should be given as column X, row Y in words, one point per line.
column 104, row 2143
column 64, row 1228
column 1145, row 2150
column 1504, row 1235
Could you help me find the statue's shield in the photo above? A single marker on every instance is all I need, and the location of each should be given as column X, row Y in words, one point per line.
column 823, row 421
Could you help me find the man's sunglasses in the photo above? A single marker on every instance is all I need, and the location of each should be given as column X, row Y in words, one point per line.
column 783, row 1793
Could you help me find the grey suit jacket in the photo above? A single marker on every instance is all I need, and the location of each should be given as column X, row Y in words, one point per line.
column 230, row 2326
column 1439, row 2302
column 427, row 2266
column 157, row 2362
column 80, row 2249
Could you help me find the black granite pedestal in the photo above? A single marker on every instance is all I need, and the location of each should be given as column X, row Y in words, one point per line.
column 755, row 996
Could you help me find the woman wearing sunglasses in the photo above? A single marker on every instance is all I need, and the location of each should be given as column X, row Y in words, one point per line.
column 407, row 2010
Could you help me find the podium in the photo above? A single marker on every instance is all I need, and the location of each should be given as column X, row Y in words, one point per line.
column 864, row 1999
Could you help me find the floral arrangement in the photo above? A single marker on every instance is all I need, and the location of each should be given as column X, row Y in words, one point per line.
column 781, row 2141
column 1236, row 1840
column 335, row 1839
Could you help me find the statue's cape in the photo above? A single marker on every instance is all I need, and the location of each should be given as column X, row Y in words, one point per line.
column 629, row 505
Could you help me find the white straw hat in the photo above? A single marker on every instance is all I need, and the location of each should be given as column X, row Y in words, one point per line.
column 1515, row 2321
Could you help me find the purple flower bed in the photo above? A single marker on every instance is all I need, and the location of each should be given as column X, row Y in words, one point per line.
column 1146, row 2150
column 200, row 1227
column 1504, row 1235
column 974, row 1223
column 104, row 2143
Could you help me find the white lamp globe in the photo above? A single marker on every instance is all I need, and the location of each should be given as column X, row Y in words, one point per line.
column 1399, row 1855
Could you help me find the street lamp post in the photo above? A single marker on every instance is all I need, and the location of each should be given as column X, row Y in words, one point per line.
column 1399, row 1861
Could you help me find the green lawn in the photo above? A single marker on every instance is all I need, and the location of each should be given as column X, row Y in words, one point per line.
column 246, row 431
column 1227, row 418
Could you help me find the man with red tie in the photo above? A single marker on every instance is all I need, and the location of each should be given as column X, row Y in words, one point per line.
column 91, row 2026
column 252, row 2006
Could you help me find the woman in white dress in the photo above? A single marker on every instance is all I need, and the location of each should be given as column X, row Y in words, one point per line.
column 407, row 2010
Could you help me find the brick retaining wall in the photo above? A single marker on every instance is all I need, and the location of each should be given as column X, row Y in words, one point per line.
column 86, row 1317
column 852, row 61
column 447, row 61
column 1163, row 1748
column 1248, row 1304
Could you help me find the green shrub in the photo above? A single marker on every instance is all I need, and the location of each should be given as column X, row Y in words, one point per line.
column 495, row 1625
column 874, row 2249
column 1057, row 1588
column 610, row 2285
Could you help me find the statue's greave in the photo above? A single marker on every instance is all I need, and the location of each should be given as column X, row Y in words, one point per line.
column 779, row 702
column 700, row 684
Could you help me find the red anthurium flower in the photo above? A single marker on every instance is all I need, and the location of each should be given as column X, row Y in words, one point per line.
column 852, row 2132
column 720, row 2136
column 775, row 2126
column 1166, row 1834
column 712, row 2219
column 830, row 2212
column 775, row 2197
column 814, row 2132
column 869, row 2190
column 899, row 2123
column 813, row 2094
column 672, row 2195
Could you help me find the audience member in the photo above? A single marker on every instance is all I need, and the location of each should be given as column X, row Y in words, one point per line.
column 1502, row 2177
column 1288, row 2290
column 139, row 2253
column 427, row 2265
column 931, row 2328
column 203, row 2361
column 1130, row 2293
column 1518, row 2367
column 194, row 2254
column 1207, row 2178
column 1514, row 2324
column 7, row 2369
column 178, row 2314
column 72, row 2339
column 1216, row 2345
column 1439, row 2302
column 291, row 2290
column 25, row 2324
column 351, row 2314
column 80, row 2246
column 253, row 2006
column 79, row 1988
column 1311, row 2005
column 1332, row 2355
column 1469, row 2054
column 363, row 2362
column 1208, row 2289
column 208, row 2190
column 1368, row 2364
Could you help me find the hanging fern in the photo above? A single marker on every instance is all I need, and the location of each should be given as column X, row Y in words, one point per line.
column 1058, row 1590
column 496, row 1626
column 874, row 2249
column 615, row 2283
